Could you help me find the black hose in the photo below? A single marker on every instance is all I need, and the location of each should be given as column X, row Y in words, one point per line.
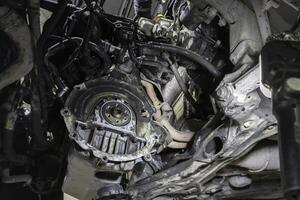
column 9, row 151
column 89, row 29
column 142, row 8
column 132, row 55
column 99, row 50
column 185, row 53
column 52, row 5
column 39, row 140
column 8, row 143
column 9, row 130
column 38, row 98
column 50, row 25
column 33, row 7
column 183, row 87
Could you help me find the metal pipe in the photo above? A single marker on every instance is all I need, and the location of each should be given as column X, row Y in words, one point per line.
column 175, row 134
column 17, row 30
column 177, row 145
column 155, row 101
column 181, row 83
column 261, row 158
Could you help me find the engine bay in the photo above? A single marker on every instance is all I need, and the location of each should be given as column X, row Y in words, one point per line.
column 163, row 100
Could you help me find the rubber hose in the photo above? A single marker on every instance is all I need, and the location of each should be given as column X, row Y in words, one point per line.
column 183, row 87
column 185, row 53
column 9, row 151
column 60, row 46
column 142, row 8
column 38, row 100
column 8, row 132
column 34, row 17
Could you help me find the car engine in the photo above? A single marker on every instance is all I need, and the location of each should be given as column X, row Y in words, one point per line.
column 142, row 99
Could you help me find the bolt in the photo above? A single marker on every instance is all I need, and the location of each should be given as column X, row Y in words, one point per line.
column 247, row 124
column 222, row 93
column 65, row 112
column 148, row 157
column 174, row 36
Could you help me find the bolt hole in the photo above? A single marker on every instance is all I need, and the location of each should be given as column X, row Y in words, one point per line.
column 65, row 112
column 104, row 158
